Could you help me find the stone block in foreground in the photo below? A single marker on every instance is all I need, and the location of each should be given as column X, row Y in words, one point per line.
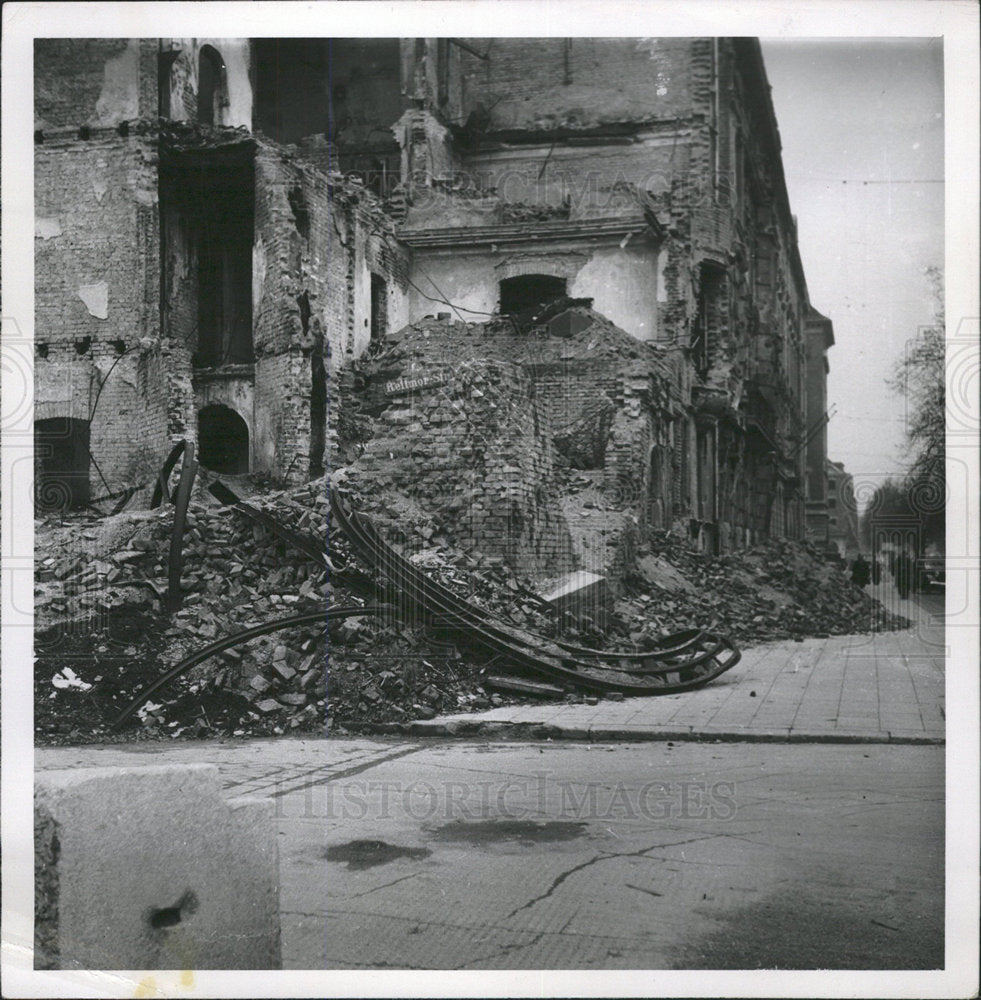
column 150, row 868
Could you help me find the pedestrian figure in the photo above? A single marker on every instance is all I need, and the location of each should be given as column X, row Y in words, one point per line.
column 860, row 571
column 876, row 571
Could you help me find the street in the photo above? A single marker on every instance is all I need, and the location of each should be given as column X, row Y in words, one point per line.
column 663, row 855
column 790, row 816
column 684, row 856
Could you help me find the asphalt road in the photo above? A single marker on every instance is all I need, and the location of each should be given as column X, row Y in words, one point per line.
column 657, row 856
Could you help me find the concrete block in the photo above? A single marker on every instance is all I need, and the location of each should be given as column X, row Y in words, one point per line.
column 150, row 868
column 582, row 594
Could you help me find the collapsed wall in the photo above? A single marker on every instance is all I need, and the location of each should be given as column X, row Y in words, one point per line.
column 468, row 438
column 277, row 271
column 489, row 427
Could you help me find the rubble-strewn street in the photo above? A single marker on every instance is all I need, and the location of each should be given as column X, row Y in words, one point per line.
column 554, row 347
column 732, row 846
column 106, row 627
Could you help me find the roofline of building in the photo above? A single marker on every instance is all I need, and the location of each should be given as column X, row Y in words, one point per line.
column 750, row 52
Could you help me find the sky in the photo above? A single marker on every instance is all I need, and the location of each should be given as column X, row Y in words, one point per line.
column 861, row 124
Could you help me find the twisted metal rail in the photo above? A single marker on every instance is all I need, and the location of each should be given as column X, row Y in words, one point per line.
column 682, row 662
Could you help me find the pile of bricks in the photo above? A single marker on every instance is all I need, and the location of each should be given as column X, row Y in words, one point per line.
column 478, row 423
column 472, row 446
column 235, row 575
column 777, row 590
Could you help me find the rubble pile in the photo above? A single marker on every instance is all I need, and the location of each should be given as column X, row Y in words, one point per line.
column 236, row 575
column 100, row 592
column 778, row 590
column 100, row 616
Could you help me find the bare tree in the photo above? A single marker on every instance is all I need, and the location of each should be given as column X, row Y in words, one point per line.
column 920, row 377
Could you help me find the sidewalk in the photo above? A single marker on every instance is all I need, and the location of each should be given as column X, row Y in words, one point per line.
column 886, row 687
column 882, row 688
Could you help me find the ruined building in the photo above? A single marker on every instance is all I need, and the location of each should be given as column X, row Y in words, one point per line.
column 842, row 511
column 819, row 338
column 237, row 239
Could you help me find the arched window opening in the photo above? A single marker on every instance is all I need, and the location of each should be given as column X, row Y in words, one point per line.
column 525, row 296
column 223, row 440
column 211, row 84
column 165, row 67
column 61, row 456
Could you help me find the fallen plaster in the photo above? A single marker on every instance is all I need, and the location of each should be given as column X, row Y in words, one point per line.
column 120, row 96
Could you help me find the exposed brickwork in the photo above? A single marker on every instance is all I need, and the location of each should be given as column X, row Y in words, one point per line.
column 659, row 156
column 93, row 81
column 318, row 240
column 487, row 435
column 477, row 448
column 548, row 83
column 96, row 299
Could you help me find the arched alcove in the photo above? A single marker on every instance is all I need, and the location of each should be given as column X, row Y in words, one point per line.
column 223, row 440
column 528, row 293
column 211, row 84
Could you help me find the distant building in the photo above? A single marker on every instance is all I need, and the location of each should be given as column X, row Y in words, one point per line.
column 842, row 511
column 820, row 337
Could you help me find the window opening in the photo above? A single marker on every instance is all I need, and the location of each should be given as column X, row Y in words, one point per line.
column 525, row 296
column 211, row 71
column 379, row 308
column 706, row 326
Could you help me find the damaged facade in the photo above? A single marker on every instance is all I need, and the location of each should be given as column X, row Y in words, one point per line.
column 183, row 262
column 574, row 255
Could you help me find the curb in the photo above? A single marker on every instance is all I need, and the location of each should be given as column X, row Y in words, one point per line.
column 466, row 729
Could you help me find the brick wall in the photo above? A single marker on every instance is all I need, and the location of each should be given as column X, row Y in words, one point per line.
column 318, row 241
column 477, row 449
column 96, row 298
column 93, row 81
column 547, row 83
column 484, row 440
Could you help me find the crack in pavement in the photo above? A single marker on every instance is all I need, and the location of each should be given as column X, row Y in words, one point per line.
column 515, row 946
column 384, row 885
column 562, row 876
column 650, row 892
